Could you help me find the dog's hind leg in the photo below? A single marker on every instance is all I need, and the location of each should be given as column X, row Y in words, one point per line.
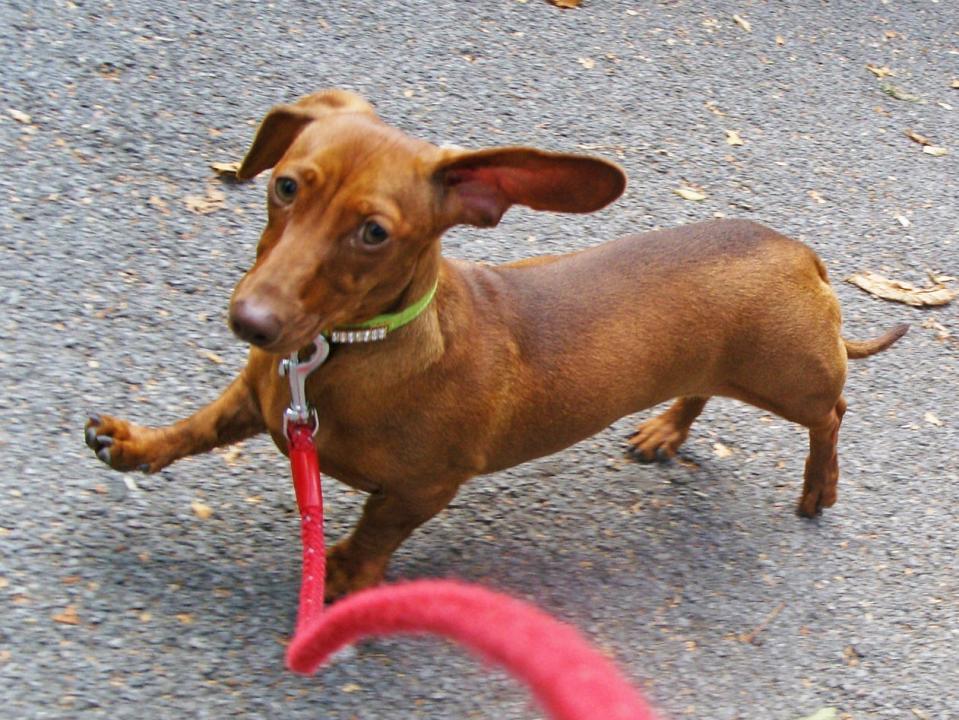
column 822, row 465
column 661, row 436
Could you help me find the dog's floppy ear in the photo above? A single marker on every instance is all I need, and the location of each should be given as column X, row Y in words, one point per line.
column 284, row 122
column 479, row 186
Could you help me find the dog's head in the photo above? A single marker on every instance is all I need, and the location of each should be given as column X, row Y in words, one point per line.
column 356, row 209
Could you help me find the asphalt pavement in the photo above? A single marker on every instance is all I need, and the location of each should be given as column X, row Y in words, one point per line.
column 126, row 596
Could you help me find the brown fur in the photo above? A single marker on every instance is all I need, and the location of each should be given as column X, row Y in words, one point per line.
column 508, row 363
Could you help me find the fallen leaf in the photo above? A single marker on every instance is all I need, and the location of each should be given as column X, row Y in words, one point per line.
column 817, row 197
column 230, row 454
column 688, row 193
column 826, row 713
column 20, row 116
column 935, row 150
column 942, row 332
column 212, row 357
column 902, row 292
column 732, row 138
column 214, row 200
column 159, row 203
column 780, row 40
column 721, row 450
column 587, row 63
column 226, row 169
column 851, row 656
column 916, row 137
column 939, row 279
column 201, row 510
column 898, row 93
column 712, row 107
column 743, row 23
column 350, row 688
column 903, row 220
column 145, row 616
column 880, row 72
column 68, row 616
column 185, row 618
column 566, row 4
column 932, row 419
column 955, row 84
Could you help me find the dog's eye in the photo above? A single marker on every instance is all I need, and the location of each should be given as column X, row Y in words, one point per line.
column 285, row 188
column 374, row 234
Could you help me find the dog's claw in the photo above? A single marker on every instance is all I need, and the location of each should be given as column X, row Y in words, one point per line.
column 144, row 468
column 104, row 455
column 105, row 440
column 94, row 418
column 91, row 437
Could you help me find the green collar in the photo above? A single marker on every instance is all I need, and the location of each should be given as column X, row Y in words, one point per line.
column 377, row 328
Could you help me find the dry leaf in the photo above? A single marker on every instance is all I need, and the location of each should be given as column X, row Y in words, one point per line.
column 942, row 332
column 880, row 72
column 212, row 357
column 68, row 616
column 903, row 220
column 898, row 93
column 826, row 713
column 226, row 170
column 935, row 151
column 230, row 454
column 214, row 200
column 955, row 84
column 712, row 107
column 721, row 450
column 916, row 137
column 780, row 40
column 201, row 510
column 20, row 116
column 159, row 203
column 688, row 193
column 185, row 618
column 743, row 23
column 350, row 688
column 902, row 292
column 932, row 419
column 145, row 616
column 732, row 138
column 566, row 4
column 817, row 197
column 587, row 63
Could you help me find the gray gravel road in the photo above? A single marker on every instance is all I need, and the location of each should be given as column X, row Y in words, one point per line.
column 118, row 600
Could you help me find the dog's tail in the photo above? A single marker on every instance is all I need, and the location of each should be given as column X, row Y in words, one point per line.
column 856, row 349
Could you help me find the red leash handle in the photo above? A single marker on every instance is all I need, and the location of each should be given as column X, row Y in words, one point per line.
column 569, row 678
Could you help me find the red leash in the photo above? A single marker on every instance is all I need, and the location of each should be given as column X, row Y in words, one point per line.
column 569, row 678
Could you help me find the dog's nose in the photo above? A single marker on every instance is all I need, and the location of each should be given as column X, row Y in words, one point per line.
column 254, row 322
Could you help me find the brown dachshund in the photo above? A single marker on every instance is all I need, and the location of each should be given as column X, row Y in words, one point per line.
column 498, row 365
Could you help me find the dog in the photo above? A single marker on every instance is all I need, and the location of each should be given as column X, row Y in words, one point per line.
column 442, row 370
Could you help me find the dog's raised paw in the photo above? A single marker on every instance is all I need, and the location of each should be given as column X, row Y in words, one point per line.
column 117, row 443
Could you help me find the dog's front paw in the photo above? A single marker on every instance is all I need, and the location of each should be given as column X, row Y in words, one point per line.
column 120, row 444
column 346, row 572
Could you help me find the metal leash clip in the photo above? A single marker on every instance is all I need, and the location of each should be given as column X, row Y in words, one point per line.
column 297, row 371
